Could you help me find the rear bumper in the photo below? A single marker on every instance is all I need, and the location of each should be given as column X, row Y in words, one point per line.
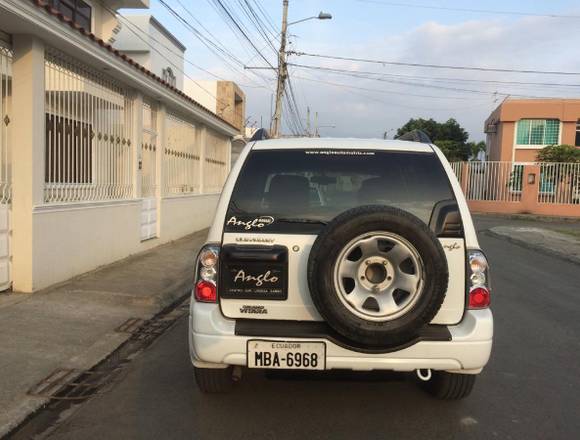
column 213, row 343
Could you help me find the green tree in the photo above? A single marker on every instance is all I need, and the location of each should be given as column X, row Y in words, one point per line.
column 559, row 153
column 475, row 148
column 449, row 136
column 437, row 131
column 454, row 151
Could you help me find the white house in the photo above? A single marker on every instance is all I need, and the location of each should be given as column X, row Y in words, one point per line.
column 99, row 156
column 149, row 43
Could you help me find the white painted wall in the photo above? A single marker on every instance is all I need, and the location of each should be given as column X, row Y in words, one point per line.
column 204, row 92
column 71, row 240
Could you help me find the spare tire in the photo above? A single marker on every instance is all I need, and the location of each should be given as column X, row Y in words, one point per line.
column 377, row 275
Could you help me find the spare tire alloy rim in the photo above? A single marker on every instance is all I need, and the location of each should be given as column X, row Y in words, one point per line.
column 378, row 276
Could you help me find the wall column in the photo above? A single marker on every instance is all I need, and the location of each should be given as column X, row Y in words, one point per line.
column 27, row 155
column 202, row 135
column 159, row 162
column 137, row 139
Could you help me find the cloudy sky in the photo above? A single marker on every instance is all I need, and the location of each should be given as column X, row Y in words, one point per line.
column 366, row 99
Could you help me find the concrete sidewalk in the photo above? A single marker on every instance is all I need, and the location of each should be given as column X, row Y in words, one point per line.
column 562, row 243
column 72, row 325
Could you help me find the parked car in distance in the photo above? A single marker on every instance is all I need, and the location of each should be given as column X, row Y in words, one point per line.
column 342, row 254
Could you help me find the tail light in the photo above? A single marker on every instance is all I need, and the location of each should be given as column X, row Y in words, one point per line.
column 479, row 287
column 205, row 289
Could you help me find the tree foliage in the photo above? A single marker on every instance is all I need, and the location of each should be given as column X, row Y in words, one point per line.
column 449, row 136
column 475, row 148
column 559, row 153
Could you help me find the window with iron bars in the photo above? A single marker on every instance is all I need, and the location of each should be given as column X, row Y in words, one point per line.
column 88, row 127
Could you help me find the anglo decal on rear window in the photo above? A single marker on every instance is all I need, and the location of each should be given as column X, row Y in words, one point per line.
column 249, row 223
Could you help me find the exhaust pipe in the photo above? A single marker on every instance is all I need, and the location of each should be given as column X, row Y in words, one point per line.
column 424, row 374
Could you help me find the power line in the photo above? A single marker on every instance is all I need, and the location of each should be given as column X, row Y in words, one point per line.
column 178, row 68
column 214, row 46
column 478, row 11
column 432, row 66
column 414, row 84
column 364, row 74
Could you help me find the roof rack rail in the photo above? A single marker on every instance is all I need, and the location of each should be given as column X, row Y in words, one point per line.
column 415, row 136
column 260, row 135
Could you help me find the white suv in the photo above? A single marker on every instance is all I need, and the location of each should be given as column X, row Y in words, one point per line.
column 342, row 254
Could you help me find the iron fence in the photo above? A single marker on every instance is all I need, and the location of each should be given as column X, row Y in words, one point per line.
column 181, row 157
column 88, row 120
column 5, row 123
column 503, row 181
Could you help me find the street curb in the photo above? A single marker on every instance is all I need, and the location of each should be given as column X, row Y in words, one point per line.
column 533, row 246
column 530, row 217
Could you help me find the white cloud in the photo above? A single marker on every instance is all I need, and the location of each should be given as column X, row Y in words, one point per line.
column 529, row 43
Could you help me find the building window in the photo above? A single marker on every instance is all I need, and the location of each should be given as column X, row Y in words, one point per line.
column 538, row 132
column 77, row 10
column 169, row 76
column 577, row 143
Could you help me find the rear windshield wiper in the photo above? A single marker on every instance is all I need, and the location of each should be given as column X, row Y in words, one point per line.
column 309, row 221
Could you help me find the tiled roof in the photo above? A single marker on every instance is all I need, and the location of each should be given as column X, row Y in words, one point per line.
column 43, row 4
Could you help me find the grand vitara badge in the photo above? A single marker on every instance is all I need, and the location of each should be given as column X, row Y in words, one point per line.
column 249, row 224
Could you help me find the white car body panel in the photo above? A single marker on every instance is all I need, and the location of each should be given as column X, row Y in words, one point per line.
column 299, row 306
column 214, row 344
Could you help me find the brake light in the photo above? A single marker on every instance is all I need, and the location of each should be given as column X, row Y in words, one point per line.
column 479, row 298
column 205, row 289
column 478, row 271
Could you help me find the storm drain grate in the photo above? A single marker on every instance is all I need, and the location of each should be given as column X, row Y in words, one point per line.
column 151, row 329
column 74, row 384
column 131, row 325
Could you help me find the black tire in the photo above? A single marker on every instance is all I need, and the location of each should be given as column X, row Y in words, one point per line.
column 449, row 386
column 214, row 380
column 351, row 224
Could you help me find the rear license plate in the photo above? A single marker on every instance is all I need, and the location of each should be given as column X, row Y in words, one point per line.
column 290, row 355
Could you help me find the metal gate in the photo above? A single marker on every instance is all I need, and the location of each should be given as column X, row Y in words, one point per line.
column 5, row 165
column 149, row 173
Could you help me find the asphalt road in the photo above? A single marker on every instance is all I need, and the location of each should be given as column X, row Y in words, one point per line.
column 530, row 389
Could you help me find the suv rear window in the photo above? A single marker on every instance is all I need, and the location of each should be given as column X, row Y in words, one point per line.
column 320, row 184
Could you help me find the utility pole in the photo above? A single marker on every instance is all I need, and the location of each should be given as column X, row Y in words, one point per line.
column 308, row 133
column 282, row 74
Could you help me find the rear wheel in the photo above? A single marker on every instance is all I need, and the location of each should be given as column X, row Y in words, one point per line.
column 449, row 386
column 214, row 380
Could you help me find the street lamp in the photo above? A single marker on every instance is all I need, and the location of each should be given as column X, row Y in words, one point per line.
column 282, row 68
column 321, row 16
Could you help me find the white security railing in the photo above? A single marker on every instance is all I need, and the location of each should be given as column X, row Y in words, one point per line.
column 88, row 154
column 493, row 181
column 559, row 183
column 215, row 166
column 181, row 157
column 149, row 152
column 5, row 123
